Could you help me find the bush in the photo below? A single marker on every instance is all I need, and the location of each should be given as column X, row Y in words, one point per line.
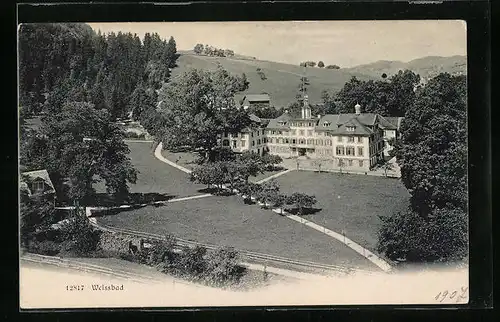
column 79, row 236
column 46, row 247
column 222, row 267
column 410, row 237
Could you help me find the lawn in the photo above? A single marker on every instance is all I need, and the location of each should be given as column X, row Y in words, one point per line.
column 228, row 221
column 349, row 202
column 156, row 177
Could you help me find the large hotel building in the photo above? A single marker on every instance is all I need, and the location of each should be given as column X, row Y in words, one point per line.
column 354, row 141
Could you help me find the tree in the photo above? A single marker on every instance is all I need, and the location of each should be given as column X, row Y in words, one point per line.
column 213, row 173
column 318, row 163
column 332, row 67
column 198, row 49
column 301, row 201
column 37, row 213
column 279, row 201
column 321, row 64
column 433, row 148
column 271, row 161
column 268, row 192
column 84, row 146
column 199, row 106
column 432, row 155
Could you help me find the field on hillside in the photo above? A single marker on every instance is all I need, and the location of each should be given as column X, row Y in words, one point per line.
column 349, row 202
column 282, row 79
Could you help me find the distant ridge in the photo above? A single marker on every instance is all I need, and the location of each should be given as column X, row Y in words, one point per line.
column 426, row 67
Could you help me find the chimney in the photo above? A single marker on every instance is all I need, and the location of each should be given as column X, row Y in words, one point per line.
column 357, row 109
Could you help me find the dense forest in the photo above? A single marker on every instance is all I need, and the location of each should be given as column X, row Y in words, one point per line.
column 70, row 62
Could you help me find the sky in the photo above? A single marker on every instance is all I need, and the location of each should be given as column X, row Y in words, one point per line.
column 343, row 43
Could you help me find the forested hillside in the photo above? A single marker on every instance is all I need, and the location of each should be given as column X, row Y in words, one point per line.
column 61, row 62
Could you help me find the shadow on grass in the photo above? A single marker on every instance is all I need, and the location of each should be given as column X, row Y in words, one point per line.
column 307, row 211
column 113, row 212
column 105, row 200
column 216, row 192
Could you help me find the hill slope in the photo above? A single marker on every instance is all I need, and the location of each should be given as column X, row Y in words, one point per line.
column 282, row 79
column 426, row 67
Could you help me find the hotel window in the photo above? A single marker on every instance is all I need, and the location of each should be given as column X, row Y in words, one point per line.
column 309, row 133
column 350, row 139
column 301, row 132
column 225, row 134
column 258, row 141
column 302, row 141
column 340, row 162
column 273, row 132
column 294, row 141
column 271, row 140
column 310, row 124
column 279, row 141
column 360, row 163
column 349, row 150
column 310, row 141
column 253, row 143
column 243, row 143
column 280, row 132
column 340, row 150
column 268, row 132
column 360, row 139
column 325, row 124
column 251, row 134
column 319, row 142
column 350, row 128
column 360, row 152
column 350, row 163
column 225, row 143
column 287, row 141
column 234, row 144
column 339, row 139
column 328, row 142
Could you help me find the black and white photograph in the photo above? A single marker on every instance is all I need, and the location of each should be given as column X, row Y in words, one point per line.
column 243, row 163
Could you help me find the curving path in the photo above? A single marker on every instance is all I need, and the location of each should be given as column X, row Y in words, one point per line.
column 379, row 262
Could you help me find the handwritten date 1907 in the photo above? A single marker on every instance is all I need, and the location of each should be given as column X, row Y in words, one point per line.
column 458, row 296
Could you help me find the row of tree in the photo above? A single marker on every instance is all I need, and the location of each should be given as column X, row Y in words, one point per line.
column 212, row 51
column 320, row 64
column 387, row 97
column 232, row 172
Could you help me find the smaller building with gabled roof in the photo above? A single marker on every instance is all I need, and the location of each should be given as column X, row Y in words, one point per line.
column 37, row 184
column 250, row 100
